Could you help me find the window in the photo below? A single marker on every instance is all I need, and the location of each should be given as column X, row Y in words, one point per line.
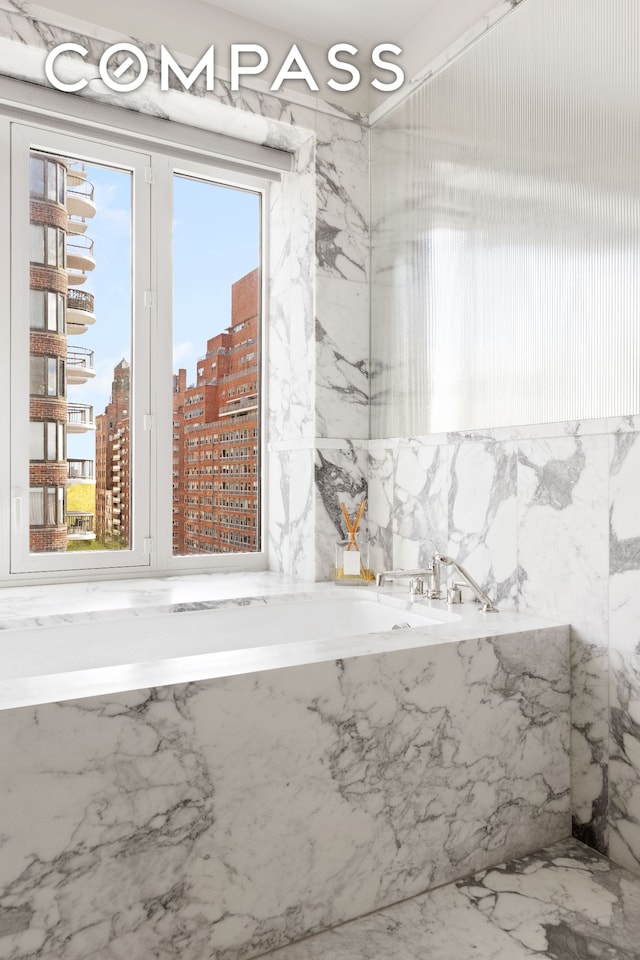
column 46, row 507
column 47, row 376
column 47, row 179
column 114, row 323
column 47, row 441
column 48, row 245
column 47, row 310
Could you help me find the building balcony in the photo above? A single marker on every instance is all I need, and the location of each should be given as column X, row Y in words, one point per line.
column 80, row 526
column 80, row 418
column 239, row 406
column 80, row 259
column 80, row 195
column 77, row 226
column 76, row 173
column 80, row 313
column 79, row 365
column 80, row 471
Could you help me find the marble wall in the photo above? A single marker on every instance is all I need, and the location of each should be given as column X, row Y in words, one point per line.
column 547, row 520
column 545, row 517
column 224, row 818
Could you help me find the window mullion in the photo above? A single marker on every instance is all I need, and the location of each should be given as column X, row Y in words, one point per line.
column 161, row 357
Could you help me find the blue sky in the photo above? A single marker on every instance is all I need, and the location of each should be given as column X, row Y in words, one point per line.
column 215, row 242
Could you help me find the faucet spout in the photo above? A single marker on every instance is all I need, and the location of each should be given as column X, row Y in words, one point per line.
column 388, row 576
column 488, row 605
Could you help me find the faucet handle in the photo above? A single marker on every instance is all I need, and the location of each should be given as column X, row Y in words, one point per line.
column 454, row 591
column 435, row 585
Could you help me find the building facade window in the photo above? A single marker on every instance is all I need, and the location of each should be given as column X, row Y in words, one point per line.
column 47, row 441
column 47, row 310
column 46, row 506
column 47, row 376
column 48, row 245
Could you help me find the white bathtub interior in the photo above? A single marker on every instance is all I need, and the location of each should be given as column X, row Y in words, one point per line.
column 237, row 626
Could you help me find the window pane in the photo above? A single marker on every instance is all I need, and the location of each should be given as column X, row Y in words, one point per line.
column 52, row 377
column 37, row 368
column 36, row 441
column 98, row 335
column 52, row 246
column 52, row 319
column 50, row 507
column 52, row 191
column 36, row 177
column 52, row 453
column 216, row 343
column 61, row 315
column 37, row 309
column 36, row 507
column 36, row 237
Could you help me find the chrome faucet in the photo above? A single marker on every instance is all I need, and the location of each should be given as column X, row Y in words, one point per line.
column 488, row 605
column 416, row 580
column 432, row 576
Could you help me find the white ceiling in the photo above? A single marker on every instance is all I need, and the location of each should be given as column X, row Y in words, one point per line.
column 326, row 22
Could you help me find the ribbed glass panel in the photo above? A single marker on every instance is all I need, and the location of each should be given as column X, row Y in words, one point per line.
column 506, row 229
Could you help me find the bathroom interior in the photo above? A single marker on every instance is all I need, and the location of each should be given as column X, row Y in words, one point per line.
column 451, row 335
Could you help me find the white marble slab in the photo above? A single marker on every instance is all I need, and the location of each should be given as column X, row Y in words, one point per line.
column 563, row 569
column 140, row 608
column 229, row 816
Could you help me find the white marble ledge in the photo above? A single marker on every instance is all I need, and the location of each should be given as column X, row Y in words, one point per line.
column 45, row 605
column 535, row 431
column 53, row 605
column 80, row 679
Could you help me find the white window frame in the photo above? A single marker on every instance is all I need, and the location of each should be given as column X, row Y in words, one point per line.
column 151, row 495
column 25, row 137
column 164, row 169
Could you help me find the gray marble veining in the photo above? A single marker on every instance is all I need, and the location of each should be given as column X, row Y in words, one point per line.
column 530, row 518
column 212, row 817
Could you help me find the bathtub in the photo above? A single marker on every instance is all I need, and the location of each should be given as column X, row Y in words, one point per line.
column 124, row 650
column 207, row 802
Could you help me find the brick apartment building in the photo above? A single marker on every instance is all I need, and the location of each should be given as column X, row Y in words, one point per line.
column 61, row 256
column 215, row 442
column 216, row 437
column 112, row 461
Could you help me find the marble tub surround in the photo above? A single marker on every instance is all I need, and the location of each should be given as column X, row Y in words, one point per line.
column 624, row 549
column 624, row 760
column 563, row 563
column 563, row 903
column 212, row 817
column 158, row 633
column 624, row 672
column 546, row 523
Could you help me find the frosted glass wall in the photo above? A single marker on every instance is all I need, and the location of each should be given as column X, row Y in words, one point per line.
column 506, row 229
